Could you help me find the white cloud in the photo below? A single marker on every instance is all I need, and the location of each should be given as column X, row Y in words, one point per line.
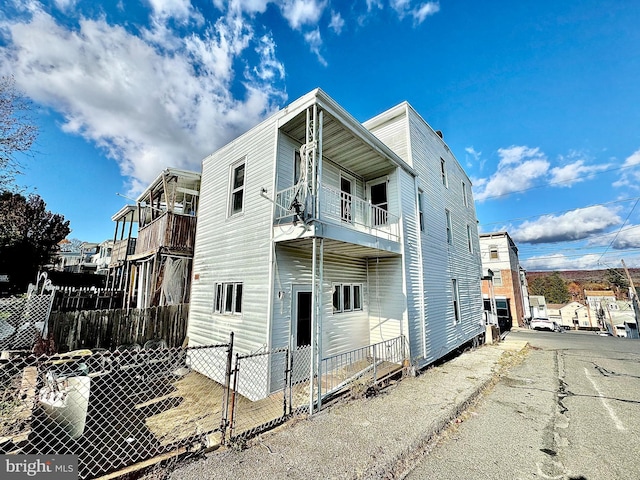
column 146, row 106
column 518, row 168
column 178, row 9
column 574, row 172
column 65, row 4
column 302, row 12
column 625, row 238
column 314, row 40
column 574, row 225
column 425, row 10
column 630, row 179
column 558, row 261
column 419, row 13
column 473, row 157
column 633, row 159
column 337, row 22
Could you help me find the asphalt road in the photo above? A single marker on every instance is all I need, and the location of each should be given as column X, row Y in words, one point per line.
column 570, row 410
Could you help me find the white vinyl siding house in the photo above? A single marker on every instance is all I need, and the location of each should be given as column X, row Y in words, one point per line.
column 382, row 265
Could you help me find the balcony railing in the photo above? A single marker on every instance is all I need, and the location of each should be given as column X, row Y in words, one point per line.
column 121, row 249
column 170, row 231
column 344, row 209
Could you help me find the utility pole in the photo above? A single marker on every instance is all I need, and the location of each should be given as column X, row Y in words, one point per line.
column 634, row 294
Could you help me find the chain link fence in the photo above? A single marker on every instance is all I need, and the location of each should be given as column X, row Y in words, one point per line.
column 116, row 408
column 23, row 320
column 113, row 409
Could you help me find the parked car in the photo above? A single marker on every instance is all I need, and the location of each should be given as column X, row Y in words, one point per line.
column 544, row 324
column 621, row 330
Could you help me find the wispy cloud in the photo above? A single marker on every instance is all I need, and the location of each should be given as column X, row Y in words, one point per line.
column 574, row 172
column 574, row 225
column 562, row 262
column 630, row 177
column 302, row 12
column 337, row 22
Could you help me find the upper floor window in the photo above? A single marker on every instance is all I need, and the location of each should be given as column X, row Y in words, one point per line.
column 469, row 241
column 420, row 210
column 493, row 252
column 443, row 172
column 497, row 278
column 236, row 202
column 449, row 229
column 465, row 200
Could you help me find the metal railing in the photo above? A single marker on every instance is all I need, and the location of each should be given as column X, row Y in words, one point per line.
column 367, row 365
column 345, row 209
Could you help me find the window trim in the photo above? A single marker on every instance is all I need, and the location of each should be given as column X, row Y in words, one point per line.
column 449, row 226
column 233, row 191
column 443, row 172
column 355, row 302
column 456, row 301
column 465, row 200
column 228, row 305
column 420, row 209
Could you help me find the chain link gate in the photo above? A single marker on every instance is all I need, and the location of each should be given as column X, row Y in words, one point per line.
column 23, row 320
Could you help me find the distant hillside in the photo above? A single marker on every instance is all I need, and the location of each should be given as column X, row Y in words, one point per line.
column 589, row 280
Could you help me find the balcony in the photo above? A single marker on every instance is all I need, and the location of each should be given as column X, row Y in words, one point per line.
column 345, row 210
column 122, row 249
column 171, row 232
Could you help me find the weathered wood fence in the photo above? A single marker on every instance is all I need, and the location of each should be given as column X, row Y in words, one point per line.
column 112, row 328
column 68, row 299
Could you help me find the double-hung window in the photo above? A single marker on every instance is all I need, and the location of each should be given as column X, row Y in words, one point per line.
column 465, row 200
column 228, row 298
column 456, row 301
column 420, row 209
column 236, row 190
column 449, row 228
column 443, row 171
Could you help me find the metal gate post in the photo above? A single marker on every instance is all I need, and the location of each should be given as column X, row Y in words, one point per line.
column 233, row 395
column 225, row 398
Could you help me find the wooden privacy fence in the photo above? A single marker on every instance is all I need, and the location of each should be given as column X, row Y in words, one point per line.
column 111, row 328
column 69, row 299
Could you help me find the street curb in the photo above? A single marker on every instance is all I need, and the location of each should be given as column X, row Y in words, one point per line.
column 401, row 466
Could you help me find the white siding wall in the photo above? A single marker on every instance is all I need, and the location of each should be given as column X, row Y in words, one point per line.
column 387, row 307
column 341, row 331
column 239, row 244
column 441, row 262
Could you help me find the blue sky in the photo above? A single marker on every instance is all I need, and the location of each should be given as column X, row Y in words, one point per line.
column 537, row 100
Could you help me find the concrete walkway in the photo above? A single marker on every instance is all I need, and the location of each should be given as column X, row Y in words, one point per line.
column 377, row 437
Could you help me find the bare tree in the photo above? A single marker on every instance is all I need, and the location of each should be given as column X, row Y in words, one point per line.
column 17, row 130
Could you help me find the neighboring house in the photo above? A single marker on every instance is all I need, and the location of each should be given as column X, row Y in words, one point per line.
column 77, row 258
column 600, row 304
column 538, row 306
column 570, row 315
column 500, row 255
column 158, row 271
column 312, row 224
column 124, row 246
column 553, row 313
column 102, row 258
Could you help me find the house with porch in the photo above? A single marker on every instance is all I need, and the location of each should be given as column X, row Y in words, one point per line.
column 317, row 230
column 153, row 262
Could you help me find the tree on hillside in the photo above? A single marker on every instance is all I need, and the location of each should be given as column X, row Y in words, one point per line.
column 616, row 278
column 29, row 237
column 552, row 287
column 17, row 129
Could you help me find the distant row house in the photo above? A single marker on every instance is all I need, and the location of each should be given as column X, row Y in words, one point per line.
column 504, row 287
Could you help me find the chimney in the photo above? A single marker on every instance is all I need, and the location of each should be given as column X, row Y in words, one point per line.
column 439, row 132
